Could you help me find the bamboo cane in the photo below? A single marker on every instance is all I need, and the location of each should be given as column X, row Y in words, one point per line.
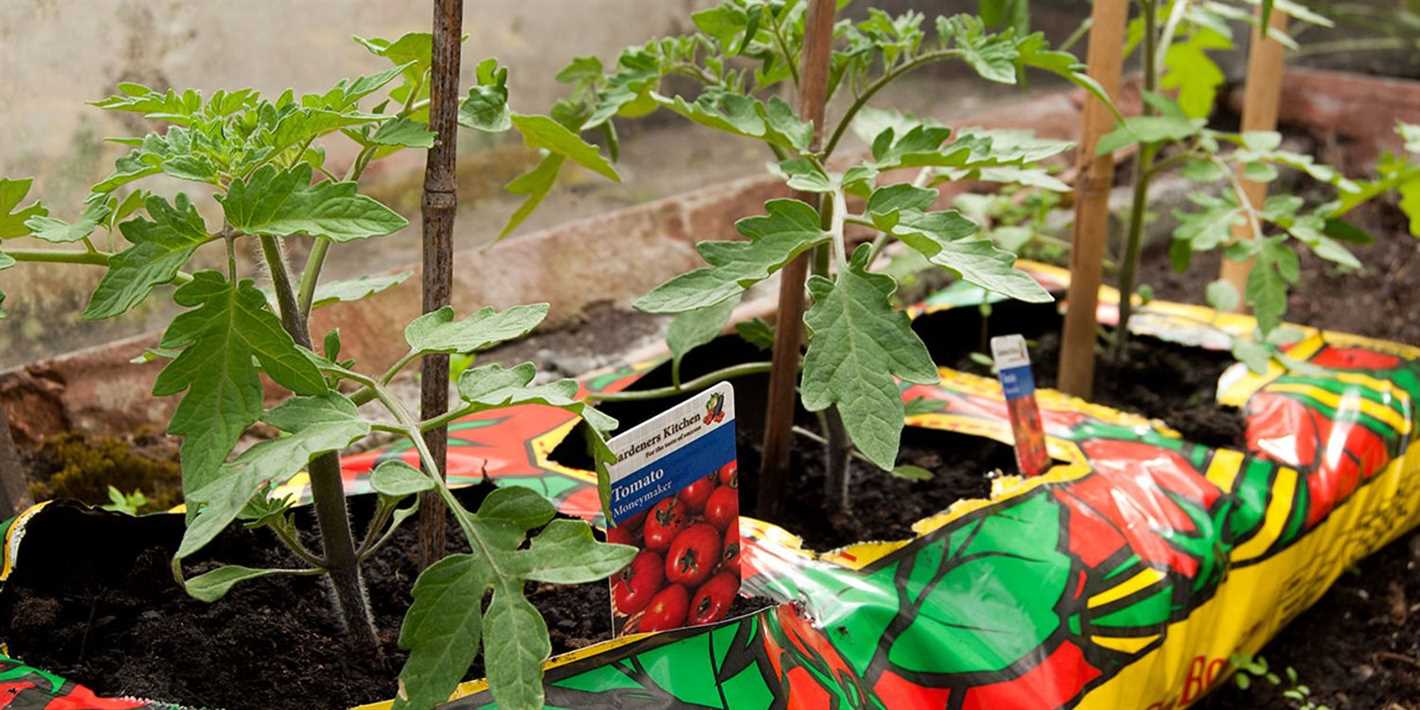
column 1105, row 57
column 439, row 205
column 788, row 333
column 1265, row 65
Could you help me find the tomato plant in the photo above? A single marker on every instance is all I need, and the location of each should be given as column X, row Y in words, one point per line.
column 712, row 601
column 264, row 161
column 745, row 49
column 693, row 555
column 665, row 522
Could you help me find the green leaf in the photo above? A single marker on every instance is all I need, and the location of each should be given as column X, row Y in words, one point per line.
column 1192, row 73
column 1209, row 228
column 318, row 424
column 161, row 247
column 804, row 174
column 1410, row 204
column 691, row 329
column 355, row 289
column 1221, row 295
column 438, row 332
column 859, row 343
column 992, row 56
column 1034, row 51
column 404, row 132
column 58, row 231
column 446, row 623
column 397, row 479
column 493, row 386
column 486, row 108
column 912, row 473
column 413, row 52
column 536, row 184
column 12, row 220
column 773, row 122
column 1146, row 129
column 790, row 228
column 283, row 203
column 581, row 69
column 1267, row 283
column 1252, row 353
column 885, row 203
column 756, row 332
column 231, row 325
column 211, row 586
column 543, row 132
column 945, row 238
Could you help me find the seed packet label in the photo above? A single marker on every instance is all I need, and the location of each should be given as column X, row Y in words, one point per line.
column 675, row 496
column 1018, row 384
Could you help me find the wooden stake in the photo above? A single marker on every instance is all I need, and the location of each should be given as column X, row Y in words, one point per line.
column 440, row 204
column 1265, row 65
column 1077, row 354
column 788, row 326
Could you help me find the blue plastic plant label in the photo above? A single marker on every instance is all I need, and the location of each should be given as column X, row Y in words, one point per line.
column 1012, row 360
column 675, row 496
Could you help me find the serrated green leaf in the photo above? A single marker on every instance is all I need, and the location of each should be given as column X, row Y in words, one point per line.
column 12, row 216
column 804, row 174
column 404, row 132
column 211, row 586
column 1255, row 355
column 1034, row 51
column 790, row 228
column 1266, row 290
column 859, row 343
column 161, row 246
column 543, row 132
column 284, row 203
column 438, row 332
column 355, row 289
column 773, row 122
column 1146, row 129
column 231, row 325
column 397, row 479
column 945, row 238
column 581, row 69
column 491, row 386
column 1192, row 73
column 517, row 646
column 691, row 329
column 566, row 553
column 442, row 630
column 885, row 203
column 51, row 229
column 315, row 425
column 1210, row 227
column 1203, row 171
column 1258, row 171
column 413, row 51
column 536, row 184
column 992, row 56
column 486, row 107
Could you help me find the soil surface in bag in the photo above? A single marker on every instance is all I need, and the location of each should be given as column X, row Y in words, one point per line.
column 93, row 600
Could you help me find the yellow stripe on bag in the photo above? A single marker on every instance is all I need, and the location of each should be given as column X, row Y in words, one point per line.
column 1125, row 644
column 1279, row 511
column 1392, row 418
column 1142, row 580
column 1224, row 468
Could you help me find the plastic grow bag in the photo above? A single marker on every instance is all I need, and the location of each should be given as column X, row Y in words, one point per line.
column 1123, row 578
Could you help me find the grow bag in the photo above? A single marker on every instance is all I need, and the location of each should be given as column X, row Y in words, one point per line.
column 1125, row 577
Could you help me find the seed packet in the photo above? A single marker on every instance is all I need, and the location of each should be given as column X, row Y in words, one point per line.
column 675, row 496
column 1018, row 384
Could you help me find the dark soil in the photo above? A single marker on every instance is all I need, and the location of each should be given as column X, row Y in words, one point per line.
column 94, row 601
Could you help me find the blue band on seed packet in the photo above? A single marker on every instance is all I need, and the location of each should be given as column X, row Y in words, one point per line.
column 657, row 458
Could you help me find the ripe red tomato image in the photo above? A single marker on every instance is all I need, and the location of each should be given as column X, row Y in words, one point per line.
column 695, row 494
column 730, row 556
column 621, row 534
column 667, row 518
column 633, row 587
column 730, row 474
column 723, row 508
column 666, row 610
column 694, row 553
column 714, row 598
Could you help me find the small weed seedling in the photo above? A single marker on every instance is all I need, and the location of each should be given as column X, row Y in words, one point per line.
column 1253, row 669
column 264, row 164
column 858, row 346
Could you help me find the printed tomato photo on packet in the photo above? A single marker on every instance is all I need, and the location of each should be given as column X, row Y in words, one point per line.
column 675, row 496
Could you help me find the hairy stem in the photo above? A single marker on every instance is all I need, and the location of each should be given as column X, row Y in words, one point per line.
column 310, row 275
column 695, row 385
column 876, row 86
column 327, row 487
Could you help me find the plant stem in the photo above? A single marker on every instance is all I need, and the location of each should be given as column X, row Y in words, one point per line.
column 695, row 385
column 876, row 86
column 439, row 208
column 327, row 486
column 310, row 275
column 63, row 256
column 1143, row 165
